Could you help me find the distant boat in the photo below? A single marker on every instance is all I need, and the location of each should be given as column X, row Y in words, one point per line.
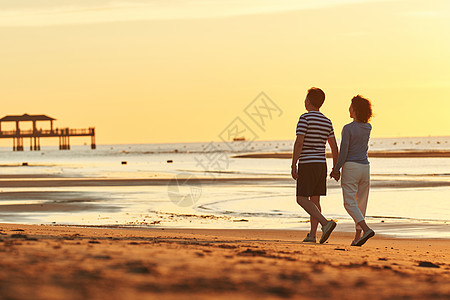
column 239, row 139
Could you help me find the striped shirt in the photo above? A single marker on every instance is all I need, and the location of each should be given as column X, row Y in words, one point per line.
column 317, row 129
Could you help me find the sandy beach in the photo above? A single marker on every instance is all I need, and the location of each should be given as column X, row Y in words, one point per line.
column 60, row 262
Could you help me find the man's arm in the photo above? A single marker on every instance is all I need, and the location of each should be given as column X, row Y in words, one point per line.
column 335, row 154
column 298, row 145
column 334, row 149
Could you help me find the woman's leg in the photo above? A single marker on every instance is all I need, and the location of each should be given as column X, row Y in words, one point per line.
column 351, row 174
column 362, row 196
column 363, row 190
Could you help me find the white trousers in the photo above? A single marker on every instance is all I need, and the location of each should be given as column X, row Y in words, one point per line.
column 355, row 182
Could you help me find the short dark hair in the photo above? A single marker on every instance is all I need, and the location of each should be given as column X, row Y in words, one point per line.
column 316, row 96
column 362, row 108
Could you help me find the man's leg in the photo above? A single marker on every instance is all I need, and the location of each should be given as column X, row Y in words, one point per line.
column 311, row 209
column 314, row 222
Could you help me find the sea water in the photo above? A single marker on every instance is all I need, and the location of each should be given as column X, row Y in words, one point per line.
column 237, row 193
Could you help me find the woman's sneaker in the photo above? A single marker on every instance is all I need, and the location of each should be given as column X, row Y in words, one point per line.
column 367, row 235
column 309, row 239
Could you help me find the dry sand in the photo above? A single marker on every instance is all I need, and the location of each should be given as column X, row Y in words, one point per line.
column 57, row 262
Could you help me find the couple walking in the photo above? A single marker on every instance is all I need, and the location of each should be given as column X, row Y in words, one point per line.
column 313, row 132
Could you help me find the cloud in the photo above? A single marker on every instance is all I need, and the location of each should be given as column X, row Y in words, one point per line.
column 63, row 12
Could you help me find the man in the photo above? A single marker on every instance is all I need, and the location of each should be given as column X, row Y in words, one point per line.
column 313, row 132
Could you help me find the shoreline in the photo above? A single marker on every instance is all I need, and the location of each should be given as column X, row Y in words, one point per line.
column 344, row 229
column 292, row 235
column 97, row 201
column 381, row 154
column 60, row 262
column 55, row 199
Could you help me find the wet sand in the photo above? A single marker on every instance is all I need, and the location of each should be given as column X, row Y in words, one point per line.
column 238, row 179
column 53, row 199
column 57, row 262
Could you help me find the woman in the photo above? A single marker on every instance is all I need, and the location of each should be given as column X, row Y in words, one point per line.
column 355, row 179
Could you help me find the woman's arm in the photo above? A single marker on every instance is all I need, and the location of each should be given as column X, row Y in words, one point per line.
column 343, row 152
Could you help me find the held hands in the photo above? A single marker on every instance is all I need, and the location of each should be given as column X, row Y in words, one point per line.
column 336, row 175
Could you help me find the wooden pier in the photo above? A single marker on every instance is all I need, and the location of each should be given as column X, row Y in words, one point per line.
column 36, row 134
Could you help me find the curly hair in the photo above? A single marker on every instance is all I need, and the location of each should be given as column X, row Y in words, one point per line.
column 362, row 108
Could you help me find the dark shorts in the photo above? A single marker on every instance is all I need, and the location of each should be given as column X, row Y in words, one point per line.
column 312, row 179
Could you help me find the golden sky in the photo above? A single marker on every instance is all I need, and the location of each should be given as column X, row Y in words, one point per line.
column 181, row 71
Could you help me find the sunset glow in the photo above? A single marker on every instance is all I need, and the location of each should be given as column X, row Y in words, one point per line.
column 151, row 72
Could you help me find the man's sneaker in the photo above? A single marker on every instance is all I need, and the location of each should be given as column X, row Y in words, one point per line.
column 327, row 230
column 309, row 239
column 353, row 243
column 367, row 235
